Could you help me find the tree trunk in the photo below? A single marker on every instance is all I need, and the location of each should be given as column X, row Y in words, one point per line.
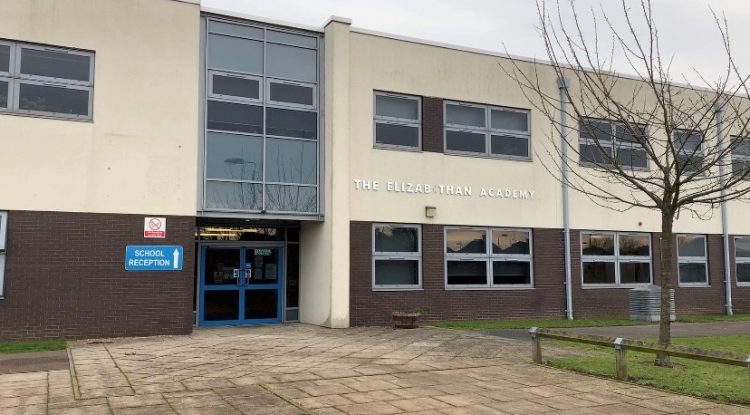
column 667, row 270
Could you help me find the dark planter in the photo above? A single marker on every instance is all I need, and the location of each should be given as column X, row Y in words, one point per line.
column 403, row 320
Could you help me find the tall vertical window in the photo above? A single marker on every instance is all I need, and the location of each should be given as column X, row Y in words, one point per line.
column 740, row 155
column 688, row 151
column 396, row 256
column 262, row 120
column 615, row 141
column 3, row 236
column 397, row 121
column 742, row 259
column 615, row 259
column 692, row 260
column 47, row 81
column 486, row 130
column 487, row 258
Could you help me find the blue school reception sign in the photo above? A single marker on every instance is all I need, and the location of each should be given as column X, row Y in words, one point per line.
column 153, row 258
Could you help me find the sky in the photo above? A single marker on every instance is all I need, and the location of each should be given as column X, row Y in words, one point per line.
column 687, row 30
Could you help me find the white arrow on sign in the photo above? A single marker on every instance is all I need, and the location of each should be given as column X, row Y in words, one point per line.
column 176, row 255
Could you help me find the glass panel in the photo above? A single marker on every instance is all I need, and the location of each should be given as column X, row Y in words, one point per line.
column 293, row 94
column 740, row 146
column 396, row 272
column 3, row 94
column 290, row 123
column 235, row 54
column 687, row 142
column 4, row 58
column 467, row 273
column 511, row 272
column 634, row 245
column 509, row 120
column 53, row 99
column 397, row 135
column 390, row 238
column 291, row 198
column 236, row 87
column 691, row 245
column 292, row 314
column 633, row 133
column 231, row 156
column 628, row 157
column 465, row 115
column 635, row 273
column 693, row 273
column 292, row 39
column 510, row 146
column 743, row 272
column 291, row 161
column 235, row 196
column 466, row 241
column 465, row 141
column 510, row 242
column 595, row 129
column 742, row 247
column 740, row 168
column 235, row 30
column 228, row 233
column 690, row 163
column 395, row 107
column 220, row 266
column 261, row 304
column 598, row 272
column 221, row 305
column 265, row 265
column 55, row 64
column 597, row 244
column 230, row 116
column 292, row 276
column 291, row 63
column 590, row 153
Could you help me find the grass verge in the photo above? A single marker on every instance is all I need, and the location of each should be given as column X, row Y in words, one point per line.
column 526, row 324
column 32, row 346
column 709, row 319
column 702, row 379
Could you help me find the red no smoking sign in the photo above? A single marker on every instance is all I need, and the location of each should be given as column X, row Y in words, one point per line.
column 154, row 227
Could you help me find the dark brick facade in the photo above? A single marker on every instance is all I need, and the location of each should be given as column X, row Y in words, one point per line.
column 368, row 307
column 432, row 124
column 65, row 277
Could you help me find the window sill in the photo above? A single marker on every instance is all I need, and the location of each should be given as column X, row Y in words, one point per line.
column 743, row 284
column 487, row 156
column 605, row 168
column 83, row 120
column 397, row 148
column 694, row 285
column 389, row 289
column 510, row 288
column 612, row 286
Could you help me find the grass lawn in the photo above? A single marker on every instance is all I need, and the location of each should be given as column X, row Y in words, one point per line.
column 708, row 319
column 32, row 346
column 707, row 380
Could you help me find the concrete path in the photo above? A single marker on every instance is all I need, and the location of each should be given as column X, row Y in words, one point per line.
column 300, row 369
column 33, row 362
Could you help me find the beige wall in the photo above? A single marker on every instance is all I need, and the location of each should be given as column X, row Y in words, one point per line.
column 139, row 154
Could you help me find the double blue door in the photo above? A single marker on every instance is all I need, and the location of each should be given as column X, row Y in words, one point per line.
column 240, row 285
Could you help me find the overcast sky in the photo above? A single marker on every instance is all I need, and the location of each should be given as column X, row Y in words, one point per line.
column 687, row 29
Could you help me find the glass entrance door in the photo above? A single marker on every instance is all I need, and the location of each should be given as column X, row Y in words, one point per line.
column 240, row 285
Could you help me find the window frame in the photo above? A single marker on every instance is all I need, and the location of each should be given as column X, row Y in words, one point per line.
column 3, row 239
column 745, row 159
column 231, row 98
column 616, row 259
column 396, row 256
column 487, row 130
column 737, row 261
column 291, row 105
column 488, row 258
column 405, row 122
column 692, row 260
column 614, row 146
column 681, row 150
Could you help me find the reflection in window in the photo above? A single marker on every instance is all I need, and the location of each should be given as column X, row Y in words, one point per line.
column 470, row 262
column 692, row 259
column 612, row 258
column 486, row 130
column 396, row 256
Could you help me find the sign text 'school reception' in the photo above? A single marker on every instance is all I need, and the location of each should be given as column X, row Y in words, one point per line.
column 153, row 258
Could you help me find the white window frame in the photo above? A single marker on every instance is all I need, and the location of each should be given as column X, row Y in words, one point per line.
column 3, row 237
column 616, row 259
column 397, row 256
column 406, row 122
column 487, row 130
column 291, row 105
column 692, row 260
column 231, row 98
column 740, row 260
column 614, row 144
column 488, row 258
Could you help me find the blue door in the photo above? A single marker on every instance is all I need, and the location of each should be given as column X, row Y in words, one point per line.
column 240, row 286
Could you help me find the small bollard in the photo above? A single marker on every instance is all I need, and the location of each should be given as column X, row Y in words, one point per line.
column 536, row 345
column 621, row 360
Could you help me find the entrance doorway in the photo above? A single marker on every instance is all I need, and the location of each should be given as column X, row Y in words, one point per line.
column 240, row 285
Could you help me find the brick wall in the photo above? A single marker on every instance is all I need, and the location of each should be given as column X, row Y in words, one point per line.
column 65, row 277
column 368, row 307
column 432, row 124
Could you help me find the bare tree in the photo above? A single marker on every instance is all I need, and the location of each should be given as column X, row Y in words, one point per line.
column 638, row 141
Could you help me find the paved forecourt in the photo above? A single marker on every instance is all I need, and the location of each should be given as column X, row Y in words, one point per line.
column 300, row 369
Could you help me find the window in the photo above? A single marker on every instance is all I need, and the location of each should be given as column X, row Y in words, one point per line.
column 487, row 258
column 3, row 234
column 617, row 141
column 742, row 259
column 41, row 80
column 396, row 256
column 615, row 259
column 687, row 146
column 692, row 261
column 397, row 121
column 262, row 120
column 740, row 155
column 486, row 130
